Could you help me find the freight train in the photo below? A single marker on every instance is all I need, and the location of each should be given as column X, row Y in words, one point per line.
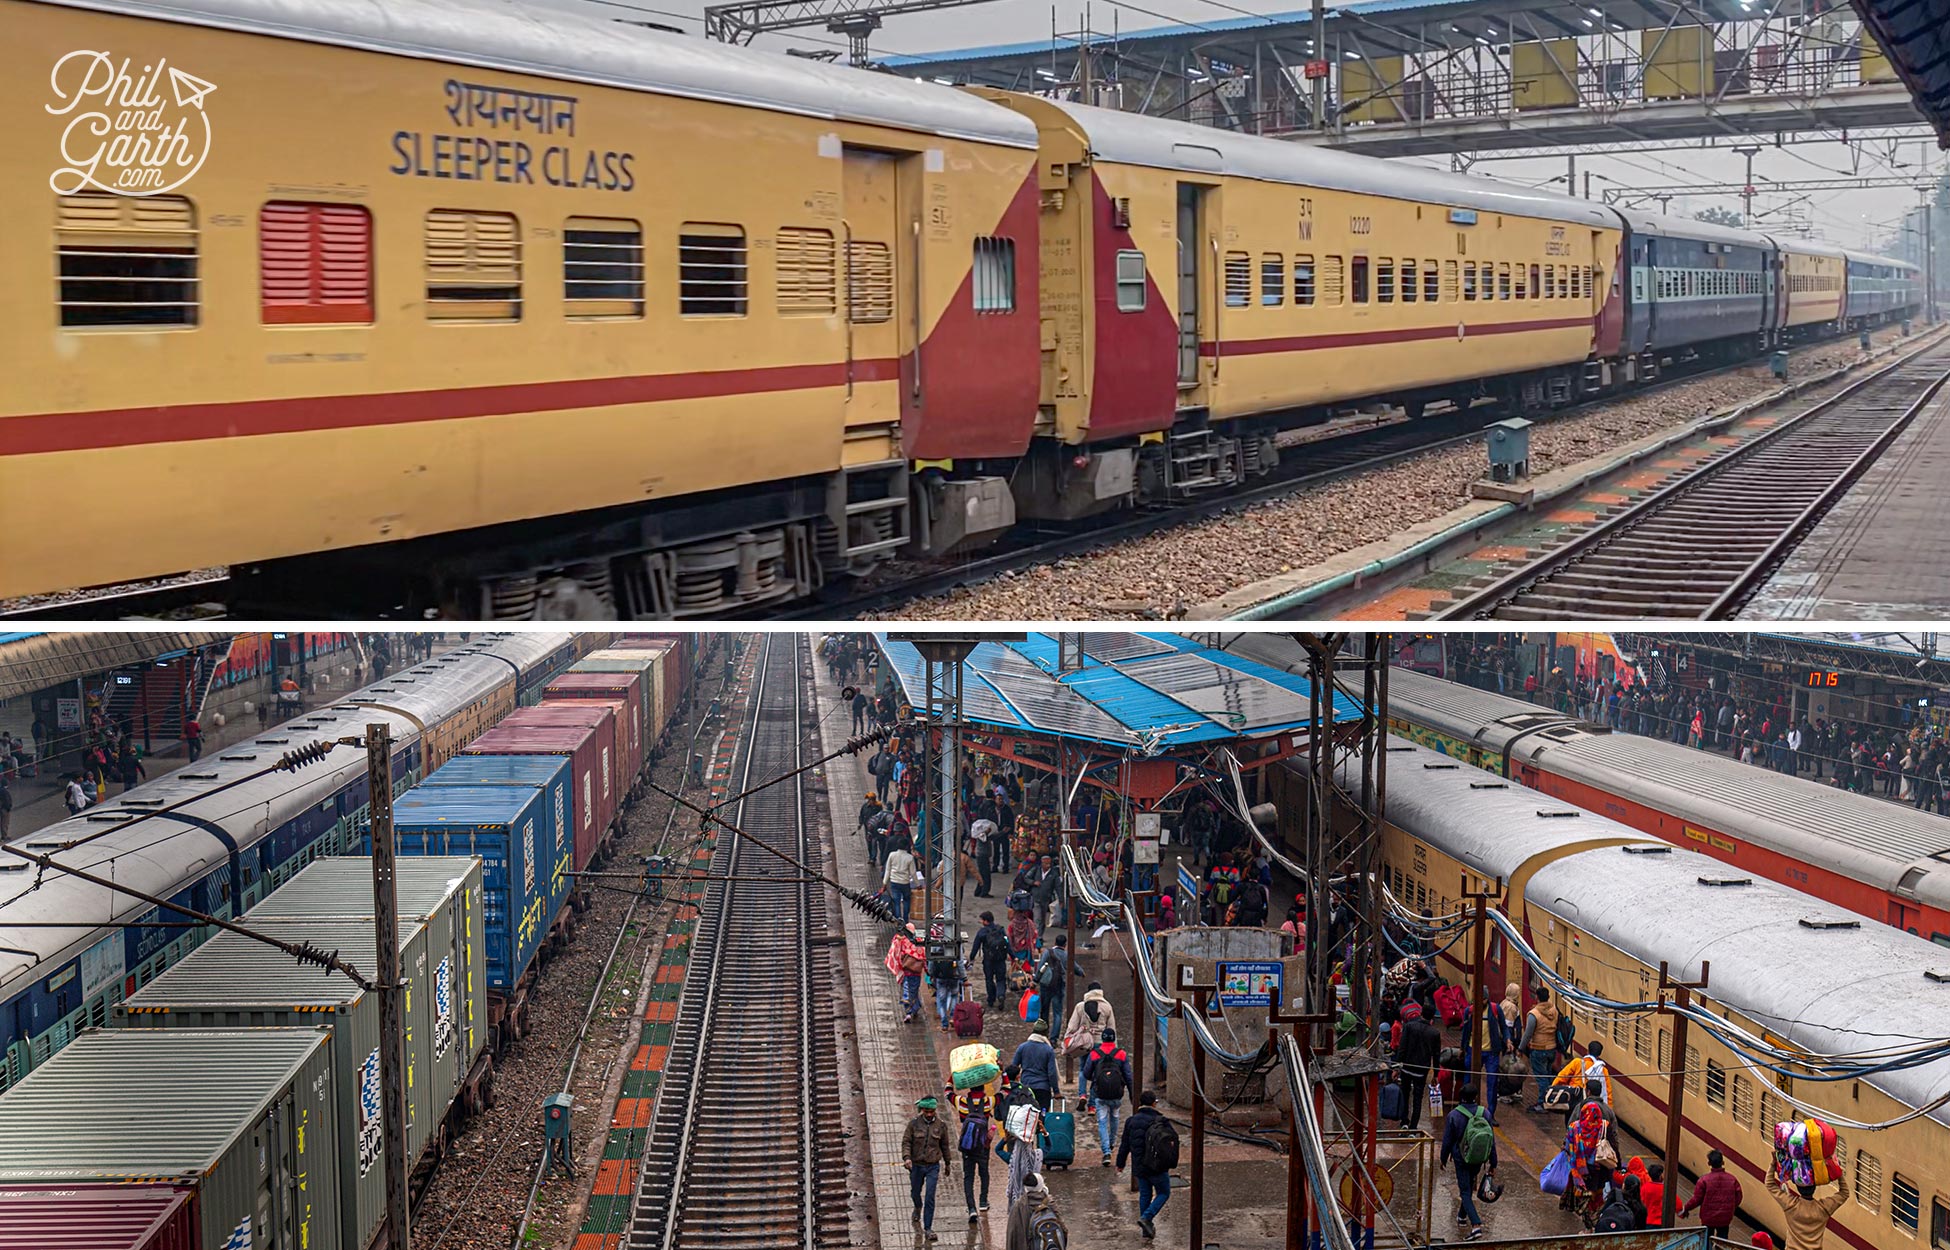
column 1887, row 861
column 525, row 315
column 489, row 843
column 1607, row 907
column 222, row 847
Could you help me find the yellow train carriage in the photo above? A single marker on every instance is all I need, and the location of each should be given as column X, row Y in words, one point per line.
column 1194, row 279
column 1813, row 278
column 314, row 276
column 1603, row 906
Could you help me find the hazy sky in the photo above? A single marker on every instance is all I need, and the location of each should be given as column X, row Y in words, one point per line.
column 1852, row 218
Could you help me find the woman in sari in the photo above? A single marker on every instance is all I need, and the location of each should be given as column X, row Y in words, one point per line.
column 1581, row 1140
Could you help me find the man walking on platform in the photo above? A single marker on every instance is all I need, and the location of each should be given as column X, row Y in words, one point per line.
column 1150, row 1144
column 925, row 1150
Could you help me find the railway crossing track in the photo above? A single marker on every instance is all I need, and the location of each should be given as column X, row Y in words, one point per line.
column 736, row 1159
column 1703, row 544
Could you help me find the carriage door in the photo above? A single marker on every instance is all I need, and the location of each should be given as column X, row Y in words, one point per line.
column 1190, row 262
column 871, row 242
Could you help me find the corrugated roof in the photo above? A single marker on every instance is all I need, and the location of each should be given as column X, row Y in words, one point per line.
column 342, row 886
column 30, row 662
column 232, row 970
column 462, row 805
column 1916, row 39
column 498, row 770
column 197, row 1089
column 1147, row 690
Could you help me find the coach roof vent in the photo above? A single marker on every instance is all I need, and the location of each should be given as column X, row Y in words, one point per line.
column 1438, row 768
column 1646, row 848
column 1723, row 883
column 1561, row 814
column 237, row 759
column 1402, row 747
column 1933, row 974
column 1807, row 923
column 1489, row 785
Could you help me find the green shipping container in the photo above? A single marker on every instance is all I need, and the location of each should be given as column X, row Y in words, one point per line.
column 245, row 1118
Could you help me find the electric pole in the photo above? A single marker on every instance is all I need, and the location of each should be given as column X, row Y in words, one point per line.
column 392, row 1030
column 1747, row 187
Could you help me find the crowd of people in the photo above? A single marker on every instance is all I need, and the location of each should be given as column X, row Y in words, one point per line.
column 1907, row 762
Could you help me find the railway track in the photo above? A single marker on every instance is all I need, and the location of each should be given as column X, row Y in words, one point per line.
column 1699, row 547
column 1306, row 464
column 735, row 1160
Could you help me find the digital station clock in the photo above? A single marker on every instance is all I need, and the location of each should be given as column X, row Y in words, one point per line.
column 1825, row 678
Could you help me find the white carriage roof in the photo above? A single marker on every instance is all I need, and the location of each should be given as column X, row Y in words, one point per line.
column 1643, row 222
column 1829, row 989
column 553, row 43
column 1135, row 139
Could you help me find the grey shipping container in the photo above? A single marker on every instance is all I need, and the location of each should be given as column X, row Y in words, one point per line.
column 443, row 890
column 246, row 1118
column 232, row 981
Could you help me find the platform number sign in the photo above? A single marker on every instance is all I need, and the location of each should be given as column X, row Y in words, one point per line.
column 1824, row 679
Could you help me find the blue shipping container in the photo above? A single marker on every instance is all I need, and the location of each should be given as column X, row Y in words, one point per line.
column 551, row 771
column 515, row 826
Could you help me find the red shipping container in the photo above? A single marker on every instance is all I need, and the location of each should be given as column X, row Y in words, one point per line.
column 678, row 661
column 586, row 745
column 626, row 758
column 86, row 1217
column 624, row 688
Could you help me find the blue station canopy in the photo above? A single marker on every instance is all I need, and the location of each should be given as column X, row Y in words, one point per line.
column 1148, row 691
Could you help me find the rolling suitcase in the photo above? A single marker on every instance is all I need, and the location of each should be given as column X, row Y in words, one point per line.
column 1059, row 1137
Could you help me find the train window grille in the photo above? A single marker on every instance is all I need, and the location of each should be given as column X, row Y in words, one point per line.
column 314, row 263
column 1716, row 1085
column 1939, row 1224
column 1692, row 1070
column 1665, row 1052
column 1743, row 1101
column 1621, row 1030
column 713, row 274
column 1239, row 279
column 1131, row 292
column 127, row 261
column 602, row 267
column 1772, row 1111
column 994, row 279
column 869, row 283
column 1303, row 281
column 1411, row 286
column 1384, row 281
column 1536, row 291
column 1503, row 286
column 1332, row 273
column 1642, row 1029
column 1905, row 1204
column 808, row 272
column 1272, row 280
column 1469, row 280
column 473, row 266
column 1450, row 285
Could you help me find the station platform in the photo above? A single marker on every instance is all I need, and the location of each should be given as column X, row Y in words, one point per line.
column 1245, row 1186
column 1870, row 558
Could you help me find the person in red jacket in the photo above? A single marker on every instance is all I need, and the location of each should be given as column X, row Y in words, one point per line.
column 1653, row 1193
column 1717, row 1196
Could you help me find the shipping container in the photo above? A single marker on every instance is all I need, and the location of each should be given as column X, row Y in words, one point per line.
column 99, row 1217
column 663, row 670
column 246, row 1120
column 522, row 834
column 636, row 690
column 644, row 665
column 232, row 981
column 626, row 760
column 447, row 892
column 593, row 795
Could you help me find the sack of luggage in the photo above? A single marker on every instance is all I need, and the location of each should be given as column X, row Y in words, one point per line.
column 1804, row 1152
column 974, row 1064
column 1059, row 1139
column 967, row 1018
column 1556, row 1176
column 1017, row 900
column 1453, row 1004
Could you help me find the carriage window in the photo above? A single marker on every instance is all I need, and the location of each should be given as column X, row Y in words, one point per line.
column 1303, row 280
column 712, row 273
column 1503, row 280
column 1939, row 1225
column 1692, row 1070
column 1449, row 286
column 1331, row 272
column 1868, row 1180
column 1716, row 1085
column 995, row 275
column 1469, row 280
column 1409, row 287
column 1536, row 288
column 808, row 272
column 1130, row 281
column 314, row 263
column 1272, row 280
column 602, row 267
column 869, row 283
column 1239, row 279
column 1358, row 279
column 1904, row 1203
column 1384, row 281
column 127, row 260
column 473, row 266
column 1743, row 1101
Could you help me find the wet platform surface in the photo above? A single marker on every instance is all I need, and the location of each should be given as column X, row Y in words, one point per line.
column 1874, row 556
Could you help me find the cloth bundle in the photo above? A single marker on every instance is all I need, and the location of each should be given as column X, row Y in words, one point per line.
column 1805, row 1152
column 974, row 1064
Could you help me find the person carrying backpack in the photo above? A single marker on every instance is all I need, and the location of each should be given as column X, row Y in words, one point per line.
column 1468, row 1139
column 1150, row 1144
column 1052, row 980
column 991, row 948
column 1107, row 1077
column 1033, row 1221
column 976, row 1136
